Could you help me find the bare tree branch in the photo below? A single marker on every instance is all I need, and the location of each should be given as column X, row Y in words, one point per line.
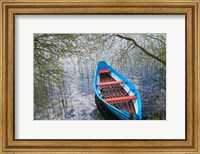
column 155, row 38
column 140, row 47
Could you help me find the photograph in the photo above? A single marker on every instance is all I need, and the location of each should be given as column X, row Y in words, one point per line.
column 100, row 76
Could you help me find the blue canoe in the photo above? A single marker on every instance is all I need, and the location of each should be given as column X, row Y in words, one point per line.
column 115, row 96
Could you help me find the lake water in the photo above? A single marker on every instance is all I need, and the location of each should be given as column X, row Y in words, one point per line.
column 75, row 100
column 79, row 103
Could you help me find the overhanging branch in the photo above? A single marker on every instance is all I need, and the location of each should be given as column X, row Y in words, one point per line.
column 140, row 47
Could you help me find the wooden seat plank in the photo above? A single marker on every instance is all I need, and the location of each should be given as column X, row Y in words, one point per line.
column 120, row 98
column 109, row 83
column 104, row 71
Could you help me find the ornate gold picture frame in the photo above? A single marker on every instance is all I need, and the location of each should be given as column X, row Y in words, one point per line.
column 10, row 8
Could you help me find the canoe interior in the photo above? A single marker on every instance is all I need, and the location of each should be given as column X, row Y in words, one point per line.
column 113, row 91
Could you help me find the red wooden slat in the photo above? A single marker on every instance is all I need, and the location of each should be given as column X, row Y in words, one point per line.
column 109, row 83
column 104, row 71
column 120, row 98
